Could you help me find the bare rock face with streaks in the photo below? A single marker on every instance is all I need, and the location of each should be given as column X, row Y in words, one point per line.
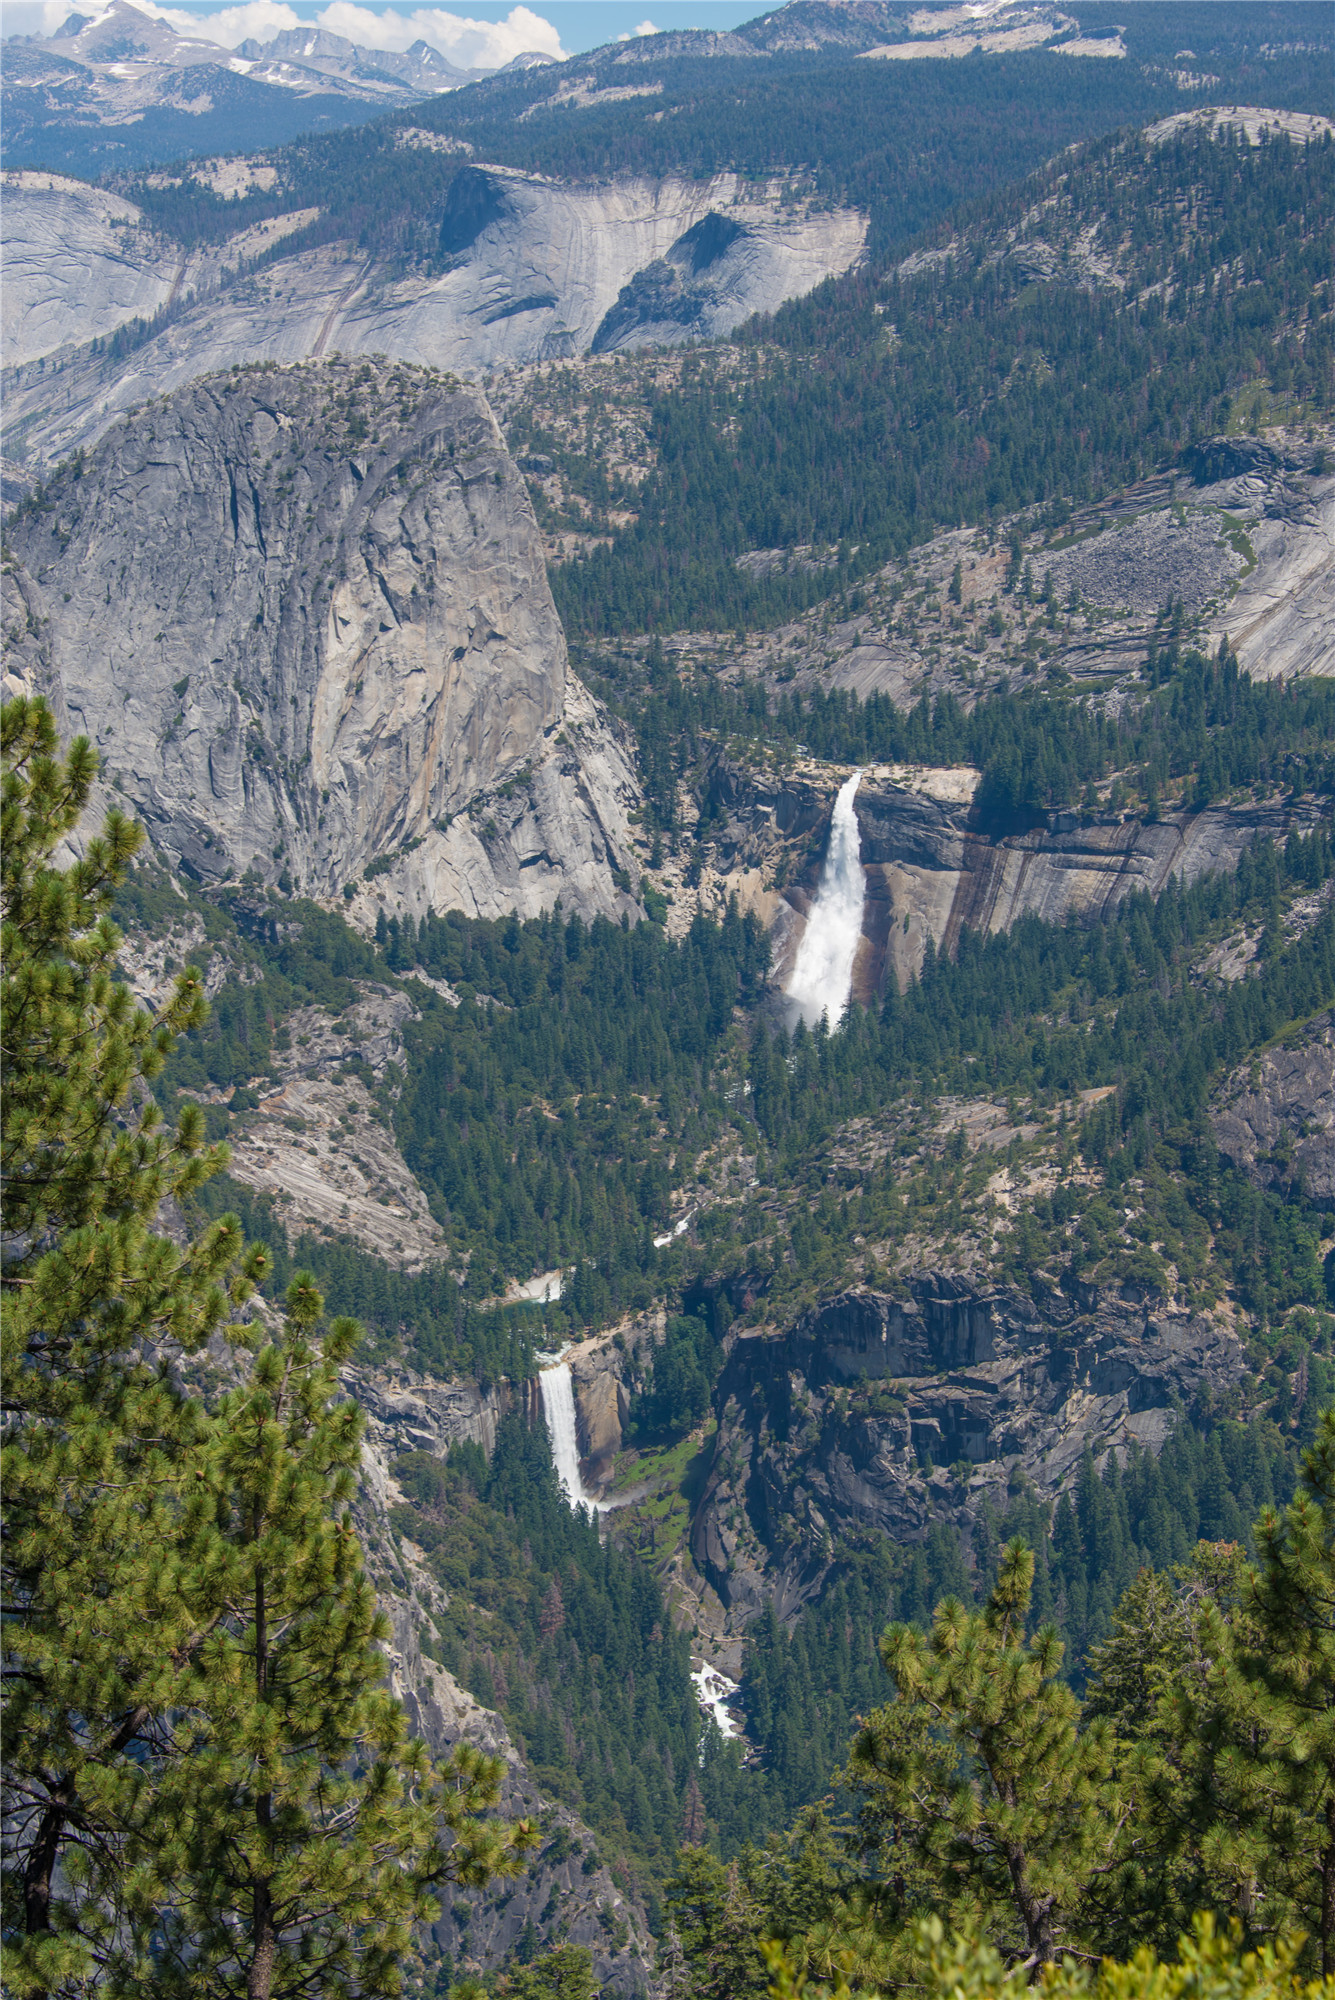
column 1276, row 1119
column 304, row 615
column 936, row 859
column 531, row 269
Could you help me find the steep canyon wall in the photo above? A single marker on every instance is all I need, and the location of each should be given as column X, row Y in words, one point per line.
column 304, row 615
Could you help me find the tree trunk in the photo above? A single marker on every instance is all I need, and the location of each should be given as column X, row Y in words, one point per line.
column 1328, row 1896
column 264, row 1943
column 41, row 1862
column 1035, row 1911
column 40, row 1867
column 263, row 1938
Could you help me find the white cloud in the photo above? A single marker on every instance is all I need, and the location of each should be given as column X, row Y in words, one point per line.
column 467, row 43
column 645, row 28
column 259, row 20
column 34, row 17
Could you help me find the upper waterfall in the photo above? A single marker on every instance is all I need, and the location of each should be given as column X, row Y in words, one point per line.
column 822, row 975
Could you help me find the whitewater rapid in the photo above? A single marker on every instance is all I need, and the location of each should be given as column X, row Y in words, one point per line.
column 822, row 976
column 714, row 1691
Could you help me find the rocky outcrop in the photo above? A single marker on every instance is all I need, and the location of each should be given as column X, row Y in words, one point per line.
column 1276, row 1119
column 533, row 270
column 318, row 1145
column 304, row 615
column 602, row 1406
column 886, row 1413
column 409, row 1412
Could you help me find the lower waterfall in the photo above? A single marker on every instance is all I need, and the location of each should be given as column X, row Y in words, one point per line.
column 558, row 1405
column 822, row 975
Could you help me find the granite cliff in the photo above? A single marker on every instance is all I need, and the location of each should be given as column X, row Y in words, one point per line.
column 529, row 269
column 303, row 613
column 863, row 1416
column 934, row 862
column 1276, row 1118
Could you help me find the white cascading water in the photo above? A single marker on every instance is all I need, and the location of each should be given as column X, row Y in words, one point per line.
column 558, row 1404
column 714, row 1691
column 822, row 975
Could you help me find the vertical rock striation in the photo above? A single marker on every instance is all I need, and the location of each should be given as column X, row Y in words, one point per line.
column 304, row 615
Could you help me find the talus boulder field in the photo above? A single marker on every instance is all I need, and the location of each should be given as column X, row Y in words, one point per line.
column 303, row 614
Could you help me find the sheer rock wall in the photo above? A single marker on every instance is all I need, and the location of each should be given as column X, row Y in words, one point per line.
column 303, row 614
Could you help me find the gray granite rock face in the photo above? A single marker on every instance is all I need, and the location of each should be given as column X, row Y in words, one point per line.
column 303, row 614
column 535, row 268
column 1276, row 1119
column 1004, row 1382
column 933, row 865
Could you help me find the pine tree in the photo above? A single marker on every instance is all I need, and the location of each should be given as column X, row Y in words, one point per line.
column 718, row 1924
column 208, row 1791
column 1152, row 1680
column 978, row 1775
column 563, row 1973
column 1269, row 1718
column 97, row 1433
column 298, row 1833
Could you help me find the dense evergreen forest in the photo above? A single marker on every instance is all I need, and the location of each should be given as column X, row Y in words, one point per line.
column 1042, row 1011
column 1064, row 1829
column 573, row 1641
column 907, row 142
column 906, row 145
column 895, row 400
column 568, row 1636
column 210, row 1788
column 1037, row 751
column 1064, row 1728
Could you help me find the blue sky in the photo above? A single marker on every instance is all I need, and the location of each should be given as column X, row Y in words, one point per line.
column 473, row 33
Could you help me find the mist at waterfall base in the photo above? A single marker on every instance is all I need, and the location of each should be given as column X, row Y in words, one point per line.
column 822, row 976
column 558, row 1406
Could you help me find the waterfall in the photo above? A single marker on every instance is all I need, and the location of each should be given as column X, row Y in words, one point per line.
column 822, row 975
column 558, row 1405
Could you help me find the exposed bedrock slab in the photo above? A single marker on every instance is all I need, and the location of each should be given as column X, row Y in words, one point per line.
column 534, row 269
column 1276, row 1118
column 77, row 263
column 989, row 1377
column 304, row 616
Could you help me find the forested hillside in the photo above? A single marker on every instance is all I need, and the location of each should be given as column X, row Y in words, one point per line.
column 1051, row 345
